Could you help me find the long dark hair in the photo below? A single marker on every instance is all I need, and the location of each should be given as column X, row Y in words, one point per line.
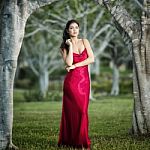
column 66, row 34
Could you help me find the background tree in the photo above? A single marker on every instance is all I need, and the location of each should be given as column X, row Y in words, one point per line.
column 43, row 58
column 118, row 55
column 136, row 36
column 92, row 25
column 13, row 17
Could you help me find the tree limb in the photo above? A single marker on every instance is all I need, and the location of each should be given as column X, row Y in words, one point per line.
column 98, row 18
column 30, row 61
column 100, row 32
column 35, row 4
column 121, row 17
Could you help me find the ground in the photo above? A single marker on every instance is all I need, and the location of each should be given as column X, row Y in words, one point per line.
column 36, row 125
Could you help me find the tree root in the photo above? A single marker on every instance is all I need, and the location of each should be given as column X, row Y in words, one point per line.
column 12, row 147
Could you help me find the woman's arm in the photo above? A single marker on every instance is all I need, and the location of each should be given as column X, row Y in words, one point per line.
column 68, row 58
column 87, row 61
column 90, row 58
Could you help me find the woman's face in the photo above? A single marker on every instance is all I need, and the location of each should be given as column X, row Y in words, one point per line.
column 73, row 30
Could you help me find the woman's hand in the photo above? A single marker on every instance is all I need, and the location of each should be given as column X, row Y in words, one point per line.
column 70, row 67
column 68, row 42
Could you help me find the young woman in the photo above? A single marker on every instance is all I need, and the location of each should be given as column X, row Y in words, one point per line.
column 77, row 55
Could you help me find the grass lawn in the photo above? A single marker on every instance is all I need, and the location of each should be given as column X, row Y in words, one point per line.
column 36, row 125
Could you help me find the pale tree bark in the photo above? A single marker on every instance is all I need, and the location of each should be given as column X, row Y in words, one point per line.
column 44, row 82
column 115, row 80
column 137, row 37
column 96, row 67
column 13, row 17
column 100, row 50
column 43, row 58
column 115, row 75
column 118, row 55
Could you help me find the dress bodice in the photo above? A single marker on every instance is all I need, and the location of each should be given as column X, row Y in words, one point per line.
column 80, row 57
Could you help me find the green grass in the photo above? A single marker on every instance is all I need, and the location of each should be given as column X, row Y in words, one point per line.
column 36, row 125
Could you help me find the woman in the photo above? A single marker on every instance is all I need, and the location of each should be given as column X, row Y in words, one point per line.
column 77, row 55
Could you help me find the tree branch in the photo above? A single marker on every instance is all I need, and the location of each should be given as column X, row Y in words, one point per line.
column 100, row 32
column 30, row 61
column 106, row 55
column 121, row 17
column 98, row 18
column 69, row 12
column 108, row 37
column 35, row 4
column 34, row 32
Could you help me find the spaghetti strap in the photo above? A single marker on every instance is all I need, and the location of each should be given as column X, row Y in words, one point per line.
column 83, row 43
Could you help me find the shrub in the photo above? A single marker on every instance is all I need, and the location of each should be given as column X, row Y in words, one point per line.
column 18, row 95
column 100, row 87
column 104, row 86
column 54, row 96
column 126, row 86
column 25, row 83
column 33, row 95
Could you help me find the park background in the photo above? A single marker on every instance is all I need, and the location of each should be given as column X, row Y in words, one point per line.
column 40, row 73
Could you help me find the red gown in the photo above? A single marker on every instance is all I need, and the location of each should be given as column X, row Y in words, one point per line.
column 74, row 119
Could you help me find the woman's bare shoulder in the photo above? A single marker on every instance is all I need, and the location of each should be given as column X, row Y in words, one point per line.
column 86, row 41
column 83, row 39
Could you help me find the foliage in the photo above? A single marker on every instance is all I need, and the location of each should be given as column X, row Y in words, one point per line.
column 36, row 96
column 126, row 86
column 101, row 87
column 33, row 95
column 24, row 83
column 18, row 95
column 54, row 96
column 104, row 87
column 102, row 84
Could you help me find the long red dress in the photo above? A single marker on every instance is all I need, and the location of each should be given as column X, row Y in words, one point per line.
column 74, row 119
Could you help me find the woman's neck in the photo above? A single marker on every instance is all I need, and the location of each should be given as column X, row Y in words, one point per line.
column 74, row 40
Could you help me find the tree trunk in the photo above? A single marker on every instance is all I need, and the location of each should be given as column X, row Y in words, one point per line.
column 44, row 82
column 91, row 94
column 115, row 80
column 13, row 17
column 137, row 36
column 10, row 41
column 95, row 68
